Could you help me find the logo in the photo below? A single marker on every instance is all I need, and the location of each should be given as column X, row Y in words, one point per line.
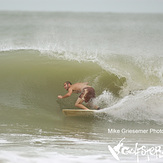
column 137, row 150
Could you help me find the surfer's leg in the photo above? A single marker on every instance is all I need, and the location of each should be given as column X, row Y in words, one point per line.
column 80, row 105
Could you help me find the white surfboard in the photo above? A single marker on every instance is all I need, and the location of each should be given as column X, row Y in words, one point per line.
column 78, row 112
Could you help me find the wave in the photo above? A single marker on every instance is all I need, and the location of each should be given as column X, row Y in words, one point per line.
column 140, row 106
column 126, row 86
column 51, row 156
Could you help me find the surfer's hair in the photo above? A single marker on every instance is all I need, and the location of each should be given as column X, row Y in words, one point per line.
column 68, row 82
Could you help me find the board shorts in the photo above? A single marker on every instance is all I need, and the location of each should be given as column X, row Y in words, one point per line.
column 87, row 94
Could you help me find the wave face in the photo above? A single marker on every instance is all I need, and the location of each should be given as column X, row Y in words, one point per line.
column 31, row 79
column 40, row 51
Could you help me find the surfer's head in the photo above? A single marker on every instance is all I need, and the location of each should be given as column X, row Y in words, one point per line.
column 67, row 85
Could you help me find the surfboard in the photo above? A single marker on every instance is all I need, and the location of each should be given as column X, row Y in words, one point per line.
column 78, row 112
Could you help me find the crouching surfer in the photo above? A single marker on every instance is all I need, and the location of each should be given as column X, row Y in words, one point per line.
column 87, row 93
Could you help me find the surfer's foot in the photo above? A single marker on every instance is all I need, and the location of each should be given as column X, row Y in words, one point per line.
column 98, row 108
column 85, row 109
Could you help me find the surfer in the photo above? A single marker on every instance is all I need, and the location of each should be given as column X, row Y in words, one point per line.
column 87, row 93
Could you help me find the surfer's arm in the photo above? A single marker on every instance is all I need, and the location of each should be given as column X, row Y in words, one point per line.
column 66, row 95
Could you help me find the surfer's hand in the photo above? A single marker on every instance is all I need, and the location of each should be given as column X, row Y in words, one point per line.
column 60, row 97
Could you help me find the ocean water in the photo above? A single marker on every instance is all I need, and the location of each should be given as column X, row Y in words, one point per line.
column 120, row 55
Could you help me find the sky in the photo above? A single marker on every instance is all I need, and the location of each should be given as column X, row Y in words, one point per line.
column 136, row 6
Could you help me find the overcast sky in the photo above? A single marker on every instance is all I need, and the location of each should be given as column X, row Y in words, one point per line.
column 144, row 6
